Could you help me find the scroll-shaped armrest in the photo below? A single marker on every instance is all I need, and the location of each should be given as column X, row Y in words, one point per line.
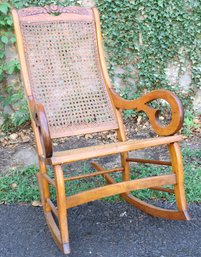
column 39, row 116
column 153, row 114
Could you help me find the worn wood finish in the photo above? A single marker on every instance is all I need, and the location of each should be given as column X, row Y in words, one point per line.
column 153, row 210
column 62, row 214
column 140, row 104
column 50, row 180
column 55, row 232
column 42, row 123
column 149, row 208
column 42, row 197
column 53, row 207
column 108, row 149
column 110, row 180
column 177, row 168
column 156, row 162
column 43, row 186
column 44, row 133
column 20, row 48
column 39, row 118
column 163, row 189
column 48, row 215
column 119, row 188
column 94, row 174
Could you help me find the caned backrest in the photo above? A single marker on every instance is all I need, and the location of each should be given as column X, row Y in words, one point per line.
column 64, row 70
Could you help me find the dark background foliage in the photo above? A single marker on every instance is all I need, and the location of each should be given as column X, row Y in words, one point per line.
column 141, row 38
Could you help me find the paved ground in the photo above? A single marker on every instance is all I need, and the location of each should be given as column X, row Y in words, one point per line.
column 100, row 229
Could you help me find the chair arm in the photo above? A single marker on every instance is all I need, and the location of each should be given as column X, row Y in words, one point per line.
column 40, row 119
column 140, row 104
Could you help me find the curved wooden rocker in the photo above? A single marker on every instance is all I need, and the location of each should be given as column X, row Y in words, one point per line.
column 69, row 93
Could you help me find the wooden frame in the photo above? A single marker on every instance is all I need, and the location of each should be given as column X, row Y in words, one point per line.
column 56, row 159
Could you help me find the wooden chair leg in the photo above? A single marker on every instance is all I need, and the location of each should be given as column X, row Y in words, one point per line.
column 126, row 165
column 61, row 206
column 45, row 194
column 43, row 186
column 177, row 168
column 49, row 217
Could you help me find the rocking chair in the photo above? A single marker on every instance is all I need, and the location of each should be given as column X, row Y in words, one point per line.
column 69, row 93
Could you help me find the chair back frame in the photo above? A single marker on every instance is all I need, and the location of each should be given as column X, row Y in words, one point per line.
column 116, row 123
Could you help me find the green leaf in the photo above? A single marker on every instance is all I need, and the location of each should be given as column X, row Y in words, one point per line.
column 9, row 21
column 4, row 39
column 11, row 69
column 13, row 40
column 4, row 7
column 2, row 54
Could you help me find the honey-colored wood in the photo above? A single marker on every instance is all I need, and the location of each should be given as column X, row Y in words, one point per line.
column 20, row 48
column 43, row 139
column 43, row 186
column 140, row 105
column 42, row 197
column 121, row 135
column 156, row 162
column 53, row 207
column 108, row 149
column 93, row 174
column 153, row 210
column 50, row 180
column 119, row 188
column 42, row 123
column 62, row 214
column 149, row 208
column 177, row 168
column 110, row 180
column 163, row 189
column 56, row 235
column 55, row 232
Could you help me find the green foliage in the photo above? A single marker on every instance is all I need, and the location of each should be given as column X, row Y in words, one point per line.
column 149, row 35
column 14, row 98
column 11, row 94
column 189, row 123
column 19, row 186
column 141, row 37
column 5, row 28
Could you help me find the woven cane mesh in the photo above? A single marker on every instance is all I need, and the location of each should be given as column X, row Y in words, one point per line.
column 65, row 74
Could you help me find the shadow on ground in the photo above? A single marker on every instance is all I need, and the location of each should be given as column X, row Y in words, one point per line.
column 100, row 229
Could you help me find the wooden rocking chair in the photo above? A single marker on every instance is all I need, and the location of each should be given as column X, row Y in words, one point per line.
column 69, row 93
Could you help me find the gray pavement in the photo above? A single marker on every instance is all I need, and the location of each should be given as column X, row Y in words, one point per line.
column 100, row 229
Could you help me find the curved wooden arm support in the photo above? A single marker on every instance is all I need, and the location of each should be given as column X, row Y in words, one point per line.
column 140, row 104
column 40, row 119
